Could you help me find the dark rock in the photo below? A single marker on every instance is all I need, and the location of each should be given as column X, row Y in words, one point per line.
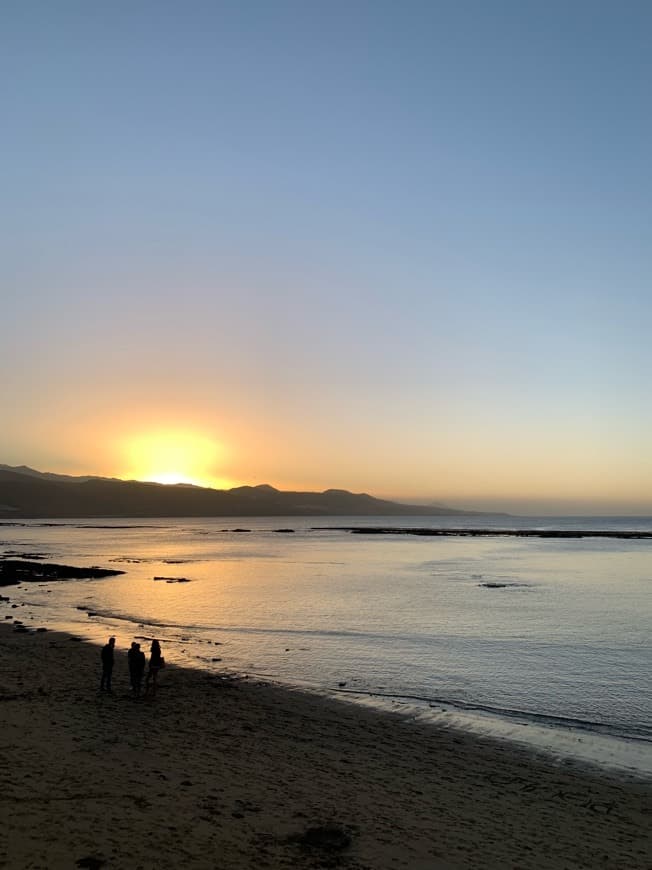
column 41, row 629
column 241, row 530
column 284, row 531
column 341, row 685
column 216, row 660
column 13, row 571
column 493, row 533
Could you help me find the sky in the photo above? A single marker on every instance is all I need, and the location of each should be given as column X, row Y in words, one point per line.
column 399, row 248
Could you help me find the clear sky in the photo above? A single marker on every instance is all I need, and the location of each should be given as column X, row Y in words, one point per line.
column 402, row 248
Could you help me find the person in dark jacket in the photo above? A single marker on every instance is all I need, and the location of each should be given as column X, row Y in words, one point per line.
column 136, row 660
column 107, row 665
column 156, row 662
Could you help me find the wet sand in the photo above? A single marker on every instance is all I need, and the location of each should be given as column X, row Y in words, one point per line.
column 219, row 773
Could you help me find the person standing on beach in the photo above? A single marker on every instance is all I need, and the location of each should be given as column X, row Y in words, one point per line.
column 107, row 665
column 136, row 660
column 156, row 662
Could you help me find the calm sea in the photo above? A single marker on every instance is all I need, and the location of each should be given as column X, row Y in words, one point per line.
column 557, row 656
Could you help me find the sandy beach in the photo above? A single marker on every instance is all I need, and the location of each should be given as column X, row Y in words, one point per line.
column 223, row 773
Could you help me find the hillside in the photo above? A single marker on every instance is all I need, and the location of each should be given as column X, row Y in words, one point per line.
column 25, row 493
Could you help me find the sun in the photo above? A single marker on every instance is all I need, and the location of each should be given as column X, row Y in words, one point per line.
column 174, row 477
column 173, row 456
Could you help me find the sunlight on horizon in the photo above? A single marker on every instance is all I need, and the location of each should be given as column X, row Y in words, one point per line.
column 170, row 456
column 174, row 477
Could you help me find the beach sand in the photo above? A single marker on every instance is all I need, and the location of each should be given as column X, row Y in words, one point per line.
column 219, row 773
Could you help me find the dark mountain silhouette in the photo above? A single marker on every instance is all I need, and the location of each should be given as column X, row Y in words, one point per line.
column 27, row 493
column 48, row 475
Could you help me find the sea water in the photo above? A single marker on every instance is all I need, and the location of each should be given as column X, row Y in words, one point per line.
column 557, row 654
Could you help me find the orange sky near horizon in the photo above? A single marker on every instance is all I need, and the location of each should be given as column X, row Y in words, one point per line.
column 493, row 473
column 238, row 249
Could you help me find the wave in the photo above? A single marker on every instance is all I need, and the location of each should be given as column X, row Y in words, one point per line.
column 631, row 732
column 136, row 620
column 432, row 639
column 643, row 735
column 250, row 629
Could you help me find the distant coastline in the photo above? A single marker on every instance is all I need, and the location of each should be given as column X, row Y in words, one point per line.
column 29, row 494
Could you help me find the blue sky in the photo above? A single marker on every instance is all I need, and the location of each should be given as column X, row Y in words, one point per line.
column 400, row 248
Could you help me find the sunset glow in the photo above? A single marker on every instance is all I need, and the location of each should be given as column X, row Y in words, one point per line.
column 173, row 457
column 223, row 271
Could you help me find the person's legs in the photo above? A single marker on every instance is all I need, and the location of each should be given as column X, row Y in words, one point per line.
column 150, row 682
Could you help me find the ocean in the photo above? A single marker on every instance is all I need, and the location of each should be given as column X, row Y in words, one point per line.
column 553, row 653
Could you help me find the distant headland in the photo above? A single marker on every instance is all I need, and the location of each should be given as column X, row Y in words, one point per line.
column 26, row 493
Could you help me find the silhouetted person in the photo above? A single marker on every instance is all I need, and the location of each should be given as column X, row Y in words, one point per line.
column 156, row 662
column 136, row 660
column 107, row 665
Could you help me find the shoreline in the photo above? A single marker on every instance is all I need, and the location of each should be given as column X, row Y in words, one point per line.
column 222, row 772
column 594, row 745
column 584, row 745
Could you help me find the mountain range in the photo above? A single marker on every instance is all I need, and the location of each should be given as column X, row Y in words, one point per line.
column 26, row 493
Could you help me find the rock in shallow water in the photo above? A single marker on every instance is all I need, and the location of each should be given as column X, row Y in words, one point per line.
column 13, row 571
